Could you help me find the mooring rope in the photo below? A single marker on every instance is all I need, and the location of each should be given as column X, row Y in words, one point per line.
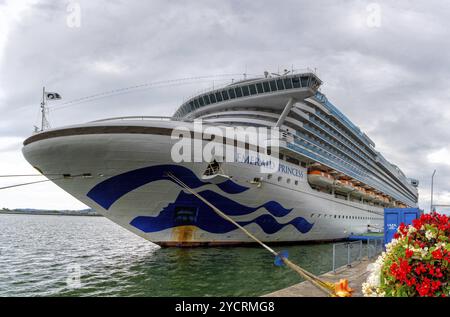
column 326, row 287
column 24, row 184
column 42, row 181
column 28, row 175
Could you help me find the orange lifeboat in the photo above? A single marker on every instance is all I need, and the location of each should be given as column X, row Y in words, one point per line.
column 359, row 192
column 320, row 178
column 370, row 195
column 344, row 185
column 378, row 198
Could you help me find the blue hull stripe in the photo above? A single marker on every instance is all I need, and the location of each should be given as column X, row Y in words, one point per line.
column 109, row 191
column 207, row 220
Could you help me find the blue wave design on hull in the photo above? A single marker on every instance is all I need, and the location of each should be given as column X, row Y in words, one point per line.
column 109, row 191
column 208, row 220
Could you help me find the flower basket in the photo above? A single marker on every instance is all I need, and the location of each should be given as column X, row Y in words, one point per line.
column 416, row 261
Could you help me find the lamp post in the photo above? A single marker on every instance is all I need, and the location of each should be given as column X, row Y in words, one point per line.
column 432, row 183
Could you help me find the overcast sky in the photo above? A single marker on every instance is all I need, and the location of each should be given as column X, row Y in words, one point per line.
column 385, row 64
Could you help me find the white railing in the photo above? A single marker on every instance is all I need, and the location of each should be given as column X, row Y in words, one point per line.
column 161, row 118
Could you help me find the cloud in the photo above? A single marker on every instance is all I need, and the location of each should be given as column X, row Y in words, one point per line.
column 441, row 156
column 390, row 80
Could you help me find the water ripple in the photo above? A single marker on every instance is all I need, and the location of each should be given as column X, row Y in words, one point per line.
column 38, row 255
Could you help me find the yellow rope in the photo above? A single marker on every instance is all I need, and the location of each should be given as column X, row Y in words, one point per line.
column 327, row 287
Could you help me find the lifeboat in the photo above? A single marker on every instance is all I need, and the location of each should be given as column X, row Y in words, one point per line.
column 359, row 191
column 320, row 178
column 378, row 198
column 369, row 195
column 343, row 185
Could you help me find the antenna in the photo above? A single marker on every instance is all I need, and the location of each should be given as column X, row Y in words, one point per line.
column 44, row 122
column 44, row 111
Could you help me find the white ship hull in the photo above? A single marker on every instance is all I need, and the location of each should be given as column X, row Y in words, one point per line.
column 129, row 186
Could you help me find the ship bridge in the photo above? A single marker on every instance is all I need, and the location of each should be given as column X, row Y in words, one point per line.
column 269, row 92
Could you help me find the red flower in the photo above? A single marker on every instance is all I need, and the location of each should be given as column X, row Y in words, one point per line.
column 437, row 254
column 408, row 253
column 424, row 288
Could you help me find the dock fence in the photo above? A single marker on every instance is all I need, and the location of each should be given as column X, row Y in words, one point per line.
column 347, row 253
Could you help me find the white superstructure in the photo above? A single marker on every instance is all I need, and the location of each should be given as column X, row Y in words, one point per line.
column 330, row 183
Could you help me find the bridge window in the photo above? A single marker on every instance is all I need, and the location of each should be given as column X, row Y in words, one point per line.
column 238, row 91
column 206, row 100
column 191, row 106
column 266, row 86
column 304, row 81
column 225, row 95
column 245, row 90
column 196, row 104
column 280, row 84
column 252, row 89
column 287, row 83
column 296, row 82
column 231, row 93
column 200, row 101
column 212, row 98
column 259, row 87
column 273, row 85
column 218, row 96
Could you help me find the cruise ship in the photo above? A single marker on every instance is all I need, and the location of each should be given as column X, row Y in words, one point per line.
column 319, row 178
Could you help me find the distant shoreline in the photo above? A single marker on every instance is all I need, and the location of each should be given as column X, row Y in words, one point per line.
column 47, row 213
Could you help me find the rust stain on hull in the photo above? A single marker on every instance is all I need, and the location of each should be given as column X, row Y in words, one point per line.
column 183, row 234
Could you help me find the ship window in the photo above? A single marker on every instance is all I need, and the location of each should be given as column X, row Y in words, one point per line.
column 206, row 100
column 252, row 89
column 266, row 86
column 288, row 180
column 279, row 178
column 296, row 82
column 273, row 85
column 196, row 104
column 231, row 93
column 304, row 81
column 334, row 216
column 225, row 95
column 218, row 96
column 212, row 97
column 200, row 101
column 288, row 83
column 245, row 91
column 269, row 176
column 292, row 160
column 296, row 182
column 238, row 91
column 280, row 84
column 312, row 215
column 259, row 87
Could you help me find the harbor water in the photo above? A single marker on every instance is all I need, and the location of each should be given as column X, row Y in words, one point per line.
column 46, row 255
